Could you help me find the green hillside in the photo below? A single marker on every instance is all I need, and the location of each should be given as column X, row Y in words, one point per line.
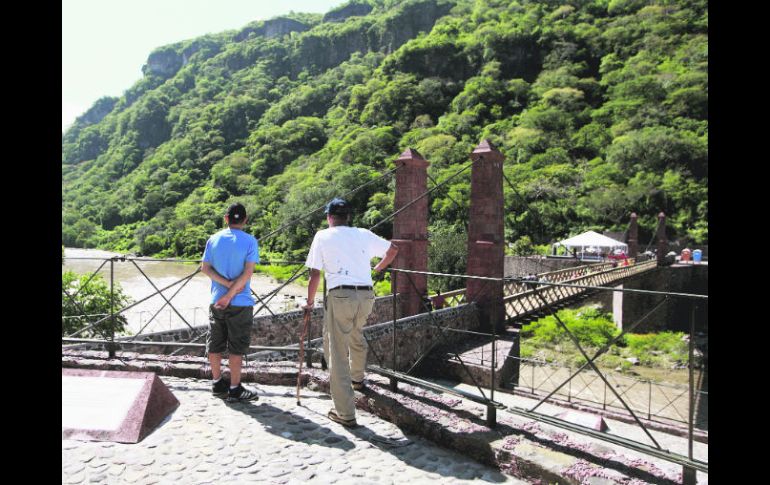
column 601, row 108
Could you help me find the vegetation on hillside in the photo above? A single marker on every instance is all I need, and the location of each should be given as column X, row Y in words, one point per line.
column 600, row 107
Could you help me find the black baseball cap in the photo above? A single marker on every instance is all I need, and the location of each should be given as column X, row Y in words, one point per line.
column 236, row 213
column 338, row 207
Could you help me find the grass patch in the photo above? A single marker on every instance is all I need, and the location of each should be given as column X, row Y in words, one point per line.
column 658, row 349
column 282, row 273
column 594, row 329
column 590, row 325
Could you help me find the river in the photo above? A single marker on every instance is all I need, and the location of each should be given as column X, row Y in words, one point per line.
column 191, row 302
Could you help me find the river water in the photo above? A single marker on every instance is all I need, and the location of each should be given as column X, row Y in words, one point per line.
column 191, row 302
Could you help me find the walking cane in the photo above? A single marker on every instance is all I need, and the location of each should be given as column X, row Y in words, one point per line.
column 302, row 350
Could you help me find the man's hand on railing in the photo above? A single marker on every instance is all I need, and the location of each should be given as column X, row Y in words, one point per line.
column 378, row 276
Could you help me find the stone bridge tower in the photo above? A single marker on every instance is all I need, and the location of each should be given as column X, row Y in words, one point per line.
column 485, row 236
column 410, row 231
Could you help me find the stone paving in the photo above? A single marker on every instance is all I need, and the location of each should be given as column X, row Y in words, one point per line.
column 271, row 440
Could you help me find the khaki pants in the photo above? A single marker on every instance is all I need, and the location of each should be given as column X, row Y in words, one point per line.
column 344, row 344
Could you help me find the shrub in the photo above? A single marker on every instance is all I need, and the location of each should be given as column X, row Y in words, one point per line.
column 652, row 348
column 92, row 298
column 591, row 327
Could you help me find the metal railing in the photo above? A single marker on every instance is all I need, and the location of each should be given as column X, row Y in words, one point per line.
column 96, row 322
column 548, row 293
column 526, row 300
column 652, row 399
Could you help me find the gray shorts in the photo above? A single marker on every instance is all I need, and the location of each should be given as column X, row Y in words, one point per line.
column 230, row 329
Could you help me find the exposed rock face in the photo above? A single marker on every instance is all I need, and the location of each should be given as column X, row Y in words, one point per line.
column 272, row 28
column 279, row 27
column 413, row 19
column 352, row 10
column 164, row 63
column 98, row 111
column 384, row 35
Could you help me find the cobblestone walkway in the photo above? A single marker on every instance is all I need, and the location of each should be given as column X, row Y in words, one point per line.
column 271, row 440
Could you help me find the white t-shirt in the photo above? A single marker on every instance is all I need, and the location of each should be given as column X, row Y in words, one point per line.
column 345, row 254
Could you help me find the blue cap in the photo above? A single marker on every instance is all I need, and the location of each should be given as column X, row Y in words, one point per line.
column 338, row 207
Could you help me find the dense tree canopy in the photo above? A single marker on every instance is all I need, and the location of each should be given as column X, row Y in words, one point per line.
column 600, row 107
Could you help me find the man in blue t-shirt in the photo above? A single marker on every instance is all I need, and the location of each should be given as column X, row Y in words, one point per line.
column 229, row 261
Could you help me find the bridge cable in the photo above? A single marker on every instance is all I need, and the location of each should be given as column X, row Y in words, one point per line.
column 291, row 223
column 422, row 195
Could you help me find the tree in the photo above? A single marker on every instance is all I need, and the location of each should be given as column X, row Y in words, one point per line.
column 85, row 302
column 447, row 253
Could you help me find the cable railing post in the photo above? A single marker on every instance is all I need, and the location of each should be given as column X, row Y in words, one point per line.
column 649, row 400
column 688, row 473
column 394, row 285
column 491, row 410
column 604, row 399
column 111, row 346
column 533, row 378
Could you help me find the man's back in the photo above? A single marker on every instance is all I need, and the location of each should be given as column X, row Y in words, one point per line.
column 345, row 254
column 228, row 251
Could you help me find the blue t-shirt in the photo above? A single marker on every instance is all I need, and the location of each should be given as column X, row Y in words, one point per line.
column 228, row 251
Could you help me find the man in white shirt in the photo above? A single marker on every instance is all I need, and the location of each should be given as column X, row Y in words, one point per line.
column 344, row 253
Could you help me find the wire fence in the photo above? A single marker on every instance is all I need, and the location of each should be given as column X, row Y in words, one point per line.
column 660, row 401
column 638, row 399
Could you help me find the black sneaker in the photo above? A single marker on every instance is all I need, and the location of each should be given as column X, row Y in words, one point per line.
column 240, row 393
column 221, row 388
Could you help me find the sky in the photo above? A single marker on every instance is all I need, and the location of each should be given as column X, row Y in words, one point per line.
column 105, row 43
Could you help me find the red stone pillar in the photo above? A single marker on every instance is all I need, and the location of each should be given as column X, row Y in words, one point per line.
column 485, row 235
column 660, row 236
column 633, row 236
column 410, row 230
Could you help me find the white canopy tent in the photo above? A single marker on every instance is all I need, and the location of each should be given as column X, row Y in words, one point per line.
column 591, row 242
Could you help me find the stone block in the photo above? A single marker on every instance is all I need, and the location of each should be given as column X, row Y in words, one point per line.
column 113, row 405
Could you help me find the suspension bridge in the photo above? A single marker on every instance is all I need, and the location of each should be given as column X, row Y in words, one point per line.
column 406, row 331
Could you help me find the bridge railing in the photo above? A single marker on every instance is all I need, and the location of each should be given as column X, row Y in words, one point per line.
column 655, row 400
column 526, row 301
column 519, row 298
column 543, row 294
column 452, row 298
column 457, row 297
column 557, row 276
